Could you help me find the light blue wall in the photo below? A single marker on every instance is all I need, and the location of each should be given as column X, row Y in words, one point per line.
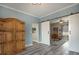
column 62, row 13
column 4, row 12
column 0, row 12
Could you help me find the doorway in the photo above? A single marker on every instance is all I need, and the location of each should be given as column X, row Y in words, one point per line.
column 55, row 32
column 35, row 32
column 59, row 31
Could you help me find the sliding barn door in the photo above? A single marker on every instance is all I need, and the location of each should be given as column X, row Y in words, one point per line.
column 45, row 32
column 74, row 32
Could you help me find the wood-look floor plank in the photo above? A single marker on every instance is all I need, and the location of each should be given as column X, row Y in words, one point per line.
column 42, row 49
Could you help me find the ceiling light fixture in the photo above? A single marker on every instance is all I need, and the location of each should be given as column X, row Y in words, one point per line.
column 61, row 21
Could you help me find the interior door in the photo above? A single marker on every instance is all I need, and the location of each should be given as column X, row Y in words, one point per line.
column 74, row 32
column 35, row 33
column 45, row 32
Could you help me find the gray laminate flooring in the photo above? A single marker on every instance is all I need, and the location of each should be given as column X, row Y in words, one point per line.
column 42, row 49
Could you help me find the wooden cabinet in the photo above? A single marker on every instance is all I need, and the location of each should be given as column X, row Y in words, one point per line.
column 20, row 36
column 1, row 49
column 8, row 48
column 19, row 46
column 12, row 38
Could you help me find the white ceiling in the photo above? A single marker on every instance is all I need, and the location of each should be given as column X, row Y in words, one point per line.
column 38, row 10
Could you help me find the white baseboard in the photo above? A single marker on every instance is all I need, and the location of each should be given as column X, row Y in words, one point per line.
column 28, row 45
column 45, row 44
column 40, row 42
column 74, row 50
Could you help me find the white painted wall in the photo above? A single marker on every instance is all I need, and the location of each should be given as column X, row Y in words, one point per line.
column 74, row 36
column 45, row 32
column 35, row 35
